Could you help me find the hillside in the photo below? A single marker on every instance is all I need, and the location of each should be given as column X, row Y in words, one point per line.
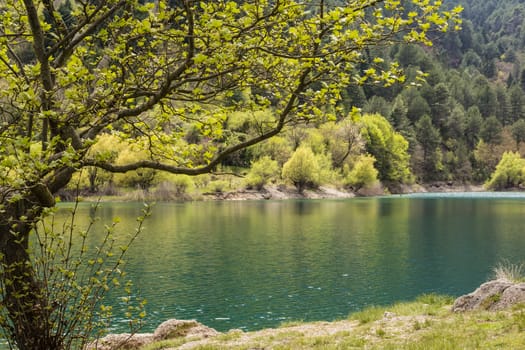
column 461, row 108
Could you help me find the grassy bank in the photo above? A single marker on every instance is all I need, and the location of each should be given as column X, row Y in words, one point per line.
column 424, row 324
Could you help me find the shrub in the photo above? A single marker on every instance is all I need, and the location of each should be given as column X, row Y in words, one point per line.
column 74, row 276
column 325, row 171
column 302, row 169
column 363, row 174
column 261, row 172
column 218, row 186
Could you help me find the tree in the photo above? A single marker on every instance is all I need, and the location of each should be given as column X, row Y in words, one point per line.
column 491, row 130
column 157, row 72
column 487, row 99
column 517, row 102
column 417, row 107
column 509, row 172
column 473, row 126
column 440, row 104
column 455, row 123
column 363, row 174
column 518, row 131
column 344, row 141
column 277, row 148
column 504, row 110
column 377, row 104
column 261, row 172
column 302, row 169
column 429, row 138
column 388, row 147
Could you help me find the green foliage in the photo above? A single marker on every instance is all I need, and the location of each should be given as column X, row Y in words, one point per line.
column 326, row 174
column 491, row 130
column 75, row 277
column 518, row 131
column 343, row 140
column 509, row 172
column 185, row 88
column 363, row 174
column 429, row 138
column 140, row 178
column 302, row 169
column 388, row 147
column 219, row 186
column 261, row 172
column 277, row 148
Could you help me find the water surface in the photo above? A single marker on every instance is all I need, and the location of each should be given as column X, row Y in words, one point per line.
column 255, row 264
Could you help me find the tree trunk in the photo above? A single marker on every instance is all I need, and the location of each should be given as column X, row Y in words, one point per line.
column 25, row 299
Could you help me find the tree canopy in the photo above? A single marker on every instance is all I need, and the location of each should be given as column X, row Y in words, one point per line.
column 165, row 76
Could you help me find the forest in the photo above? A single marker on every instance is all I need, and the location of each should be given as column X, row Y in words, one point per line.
column 458, row 110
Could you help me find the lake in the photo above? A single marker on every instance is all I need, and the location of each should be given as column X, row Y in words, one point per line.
column 256, row 264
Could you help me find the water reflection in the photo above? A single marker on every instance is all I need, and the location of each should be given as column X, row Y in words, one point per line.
column 254, row 264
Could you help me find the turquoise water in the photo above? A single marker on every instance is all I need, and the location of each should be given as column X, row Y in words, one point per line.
column 256, row 264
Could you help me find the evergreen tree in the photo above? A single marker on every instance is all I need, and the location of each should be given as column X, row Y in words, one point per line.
column 486, row 100
column 491, row 130
column 473, row 126
column 417, row 105
column 440, row 104
column 518, row 132
column 517, row 102
column 429, row 138
column 504, row 108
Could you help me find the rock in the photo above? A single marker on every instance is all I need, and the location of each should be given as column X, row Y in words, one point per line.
column 167, row 330
column 123, row 341
column 513, row 295
column 182, row 328
column 389, row 315
column 492, row 295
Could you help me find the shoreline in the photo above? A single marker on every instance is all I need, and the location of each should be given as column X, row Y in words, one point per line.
column 491, row 317
column 283, row 193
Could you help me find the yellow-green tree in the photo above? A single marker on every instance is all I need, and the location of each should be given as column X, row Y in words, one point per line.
column 168, row 75
column 261, row 172
column 302, row 169
column 389, row 148
column 509, row 173
column 363, row 174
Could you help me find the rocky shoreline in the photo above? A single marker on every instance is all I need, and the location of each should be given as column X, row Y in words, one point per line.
column 280, row 192
column 492, row 296
column 324, row 192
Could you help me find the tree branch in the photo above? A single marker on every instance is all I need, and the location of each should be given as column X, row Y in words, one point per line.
column 39, row 44
column 70, row 41
column 166, row 87
column 288, row 109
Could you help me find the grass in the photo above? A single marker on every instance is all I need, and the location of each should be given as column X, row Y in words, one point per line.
column 425, row 324
column 510, row 272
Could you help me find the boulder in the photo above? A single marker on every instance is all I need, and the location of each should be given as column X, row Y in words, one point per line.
column 492, row 295
column 169, row 329
column 182, row 328
column 513, row 295
column 124, row 341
